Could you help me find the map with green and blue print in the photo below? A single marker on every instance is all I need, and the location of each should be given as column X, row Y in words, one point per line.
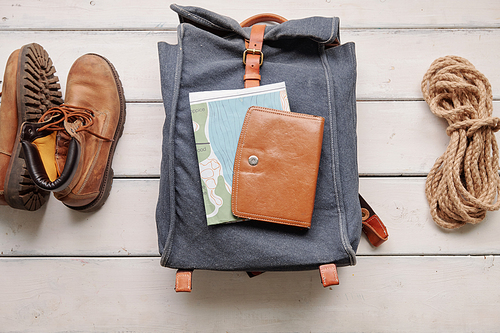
column 217, row 121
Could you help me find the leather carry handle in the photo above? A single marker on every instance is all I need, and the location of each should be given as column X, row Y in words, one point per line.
column 266, row 17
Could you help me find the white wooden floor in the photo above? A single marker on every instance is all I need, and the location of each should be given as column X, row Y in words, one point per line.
column 62, row 270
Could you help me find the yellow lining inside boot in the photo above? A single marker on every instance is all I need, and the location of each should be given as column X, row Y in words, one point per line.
column 47, row 149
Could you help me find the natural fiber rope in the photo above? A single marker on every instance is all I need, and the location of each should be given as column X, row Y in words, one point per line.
column 464, row 183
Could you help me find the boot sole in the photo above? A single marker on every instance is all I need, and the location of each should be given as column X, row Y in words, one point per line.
column 107, row 181
column 37, row 91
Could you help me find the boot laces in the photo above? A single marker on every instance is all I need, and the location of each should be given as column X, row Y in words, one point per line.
column 69, row 113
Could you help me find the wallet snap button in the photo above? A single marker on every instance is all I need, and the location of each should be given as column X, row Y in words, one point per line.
column 253, row 160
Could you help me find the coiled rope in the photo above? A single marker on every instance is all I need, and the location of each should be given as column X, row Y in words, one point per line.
column 464, row 183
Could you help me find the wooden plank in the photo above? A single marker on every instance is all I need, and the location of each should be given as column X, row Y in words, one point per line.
column 151, row 14
column 403, row 207
column 394, row 138
column 134, row 54
column 391, row 63
column 138, row 152
column 125, row 225
column 379, row 294
column 401, row 138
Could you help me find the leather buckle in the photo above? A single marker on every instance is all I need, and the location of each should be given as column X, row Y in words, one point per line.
column 253, row 51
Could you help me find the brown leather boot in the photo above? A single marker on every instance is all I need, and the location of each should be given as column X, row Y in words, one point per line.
column 71, row 149
column 29, row 89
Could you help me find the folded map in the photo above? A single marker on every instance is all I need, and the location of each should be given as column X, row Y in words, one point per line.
column 217, row 121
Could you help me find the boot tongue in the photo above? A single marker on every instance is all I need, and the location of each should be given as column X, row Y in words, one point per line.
column 62, row 143
column 61, row 153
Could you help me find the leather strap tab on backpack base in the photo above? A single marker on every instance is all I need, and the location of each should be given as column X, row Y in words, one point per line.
column 183, row 280
column 329, row 276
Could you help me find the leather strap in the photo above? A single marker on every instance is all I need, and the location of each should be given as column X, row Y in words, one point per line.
column 374, row 229
column 253, row 56
column 329, row 276
column 183, row 280
column 266, row 17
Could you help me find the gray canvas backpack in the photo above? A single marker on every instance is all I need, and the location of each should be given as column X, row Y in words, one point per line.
column 320, row 77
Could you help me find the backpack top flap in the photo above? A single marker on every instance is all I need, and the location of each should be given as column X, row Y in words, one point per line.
column 324, row 30
column 319, row 80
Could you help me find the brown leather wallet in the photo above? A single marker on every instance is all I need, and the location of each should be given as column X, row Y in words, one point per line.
column 276, row 166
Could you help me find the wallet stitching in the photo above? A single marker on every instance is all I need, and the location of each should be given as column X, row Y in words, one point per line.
column 234, row 203
column 238, row 159
column 262, row 217
column 285, row 113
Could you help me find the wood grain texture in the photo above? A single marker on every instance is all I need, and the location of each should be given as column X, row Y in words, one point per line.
column 394, row 138
column 67, row 271
column 125, row 225
column 138, row 153
column 152, row 14
column 391, row 62
column 379, row 294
